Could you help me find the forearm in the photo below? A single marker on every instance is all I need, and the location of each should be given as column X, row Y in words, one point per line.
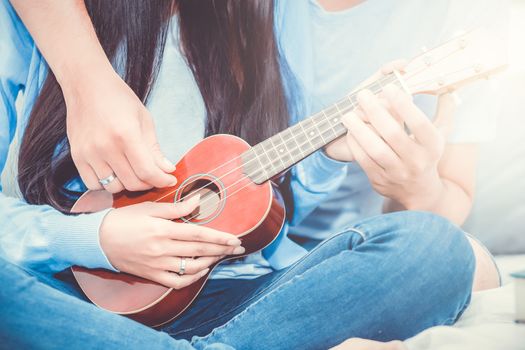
column 40, row 238
column 64, row 34
column 450, row 200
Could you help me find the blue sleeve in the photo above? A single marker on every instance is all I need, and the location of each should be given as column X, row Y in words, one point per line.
column 35, row 236
column 313, row 180
column 317, row 176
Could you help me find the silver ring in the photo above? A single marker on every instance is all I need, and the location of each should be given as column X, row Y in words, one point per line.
column 106, row 181
column 182, row 267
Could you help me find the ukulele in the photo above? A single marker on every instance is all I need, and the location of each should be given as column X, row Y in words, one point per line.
column 233, row 179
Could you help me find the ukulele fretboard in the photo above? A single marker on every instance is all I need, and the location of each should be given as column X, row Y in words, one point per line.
column 273, row 156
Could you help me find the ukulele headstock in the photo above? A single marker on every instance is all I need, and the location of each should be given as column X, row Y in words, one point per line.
column 474, row 55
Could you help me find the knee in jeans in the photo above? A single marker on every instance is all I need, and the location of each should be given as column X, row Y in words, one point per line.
column 447, row 251
column 433, row 238
column 439, row 235
column 431, row 255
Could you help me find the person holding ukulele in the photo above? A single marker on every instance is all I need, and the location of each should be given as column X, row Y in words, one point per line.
column 115, row 91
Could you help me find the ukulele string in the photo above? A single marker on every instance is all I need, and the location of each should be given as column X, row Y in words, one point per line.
column 425, row 66
column 343, row 111
column 426, row 82
column 406, row 77
column 244, row 177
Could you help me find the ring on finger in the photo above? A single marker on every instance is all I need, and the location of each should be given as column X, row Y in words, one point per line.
column 107, row 180
column 182, row 267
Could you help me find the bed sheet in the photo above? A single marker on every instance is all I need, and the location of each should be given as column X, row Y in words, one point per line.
column 488, row 323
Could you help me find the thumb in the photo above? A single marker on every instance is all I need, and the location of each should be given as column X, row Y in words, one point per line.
column 444, row 117
column 160, row 159
column 150, row 137
column 170, row 211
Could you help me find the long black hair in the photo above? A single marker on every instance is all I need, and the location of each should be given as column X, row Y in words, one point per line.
column 230, row 46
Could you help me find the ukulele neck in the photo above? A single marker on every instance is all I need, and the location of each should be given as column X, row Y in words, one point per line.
column 273, row 156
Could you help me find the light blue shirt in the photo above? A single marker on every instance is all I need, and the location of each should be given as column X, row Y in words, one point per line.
column 41, row 238
column 329, row 53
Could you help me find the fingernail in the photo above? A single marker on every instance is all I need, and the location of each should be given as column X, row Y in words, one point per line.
column 168, row 163
column 191, row 202
column 174, row 182
column 234, row 241
column 239, row 250
column 194, row 198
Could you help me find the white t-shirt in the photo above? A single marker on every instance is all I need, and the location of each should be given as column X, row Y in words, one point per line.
column 349, row 46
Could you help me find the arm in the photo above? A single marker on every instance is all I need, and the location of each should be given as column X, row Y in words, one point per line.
column 139, row 239
column 414, row 172
column 64, row 34
column 452, row 195
column 98, row 101
column 31, row 235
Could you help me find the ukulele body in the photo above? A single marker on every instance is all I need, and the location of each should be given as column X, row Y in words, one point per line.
column 230, row 202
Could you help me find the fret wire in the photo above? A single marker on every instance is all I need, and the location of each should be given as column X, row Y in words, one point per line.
column 338, row 129
column 306, row 134
column 297, row 143
column 327, row 119
column 300, row 137
column 351, row 97
column 319, row 132
column 345, row 103
column 368, row 87
column 279, row 154
column 285, row 138
column 353, row 100
column 285, row 146
column 270, row 166
column 320, row 145
column 277, row 150
column 263, row 168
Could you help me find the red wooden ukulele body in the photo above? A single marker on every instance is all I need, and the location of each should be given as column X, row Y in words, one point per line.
column 230, row 202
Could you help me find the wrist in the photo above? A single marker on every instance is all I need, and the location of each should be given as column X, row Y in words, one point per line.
column 78, row 76
column 426, row 196
column 104, row 238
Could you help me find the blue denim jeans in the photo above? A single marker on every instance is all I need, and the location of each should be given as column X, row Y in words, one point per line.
column 387, row 277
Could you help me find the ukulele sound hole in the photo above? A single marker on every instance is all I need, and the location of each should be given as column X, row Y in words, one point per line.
column 211, row 198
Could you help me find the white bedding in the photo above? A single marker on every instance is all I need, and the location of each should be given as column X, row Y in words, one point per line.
column 488, row 323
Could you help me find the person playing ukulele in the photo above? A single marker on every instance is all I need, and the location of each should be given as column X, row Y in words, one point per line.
column 115, row 91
